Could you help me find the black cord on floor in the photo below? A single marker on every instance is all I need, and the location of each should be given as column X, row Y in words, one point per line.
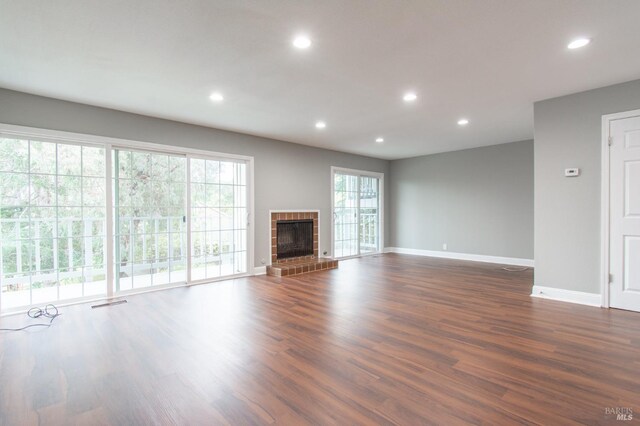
column 50, row 311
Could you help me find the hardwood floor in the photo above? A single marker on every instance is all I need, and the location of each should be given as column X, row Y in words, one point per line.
column 390, row 339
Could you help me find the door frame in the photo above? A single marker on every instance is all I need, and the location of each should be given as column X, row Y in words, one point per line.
column 605, row 220
column 380, row 177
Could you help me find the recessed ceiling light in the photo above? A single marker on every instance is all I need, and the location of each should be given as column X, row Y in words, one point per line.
column 578, row 43
column 410, row 97
column 463, row 122
column 321, row 125
column 379, row 140
column 302, row 42
column 216, row 97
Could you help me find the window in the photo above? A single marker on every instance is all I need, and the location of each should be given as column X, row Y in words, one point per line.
column 172, row 218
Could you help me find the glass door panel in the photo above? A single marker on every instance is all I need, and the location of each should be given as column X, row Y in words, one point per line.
column 52, row 222
column 218, row 218
column 368, row 215
column 345, row 215
column 356, row 214
column 150, row 219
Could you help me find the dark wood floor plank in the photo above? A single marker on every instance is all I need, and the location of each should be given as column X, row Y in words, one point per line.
column 388, row 339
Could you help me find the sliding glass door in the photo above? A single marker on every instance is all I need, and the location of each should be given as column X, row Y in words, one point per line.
column 159, row 243
column 150, row 219
column 70, row 220
column 356, row 212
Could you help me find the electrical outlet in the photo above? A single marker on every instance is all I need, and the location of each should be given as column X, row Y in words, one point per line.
column 262, row 261
column 574, row 172
column 444, row 246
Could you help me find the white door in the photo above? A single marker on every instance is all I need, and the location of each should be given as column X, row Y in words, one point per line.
column 625, row 214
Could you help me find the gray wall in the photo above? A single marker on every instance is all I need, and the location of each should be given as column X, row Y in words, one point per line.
column 567, row 210
column 287, row 176
column 478, row 201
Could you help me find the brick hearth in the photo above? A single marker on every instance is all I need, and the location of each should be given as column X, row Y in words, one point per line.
column 301, row 266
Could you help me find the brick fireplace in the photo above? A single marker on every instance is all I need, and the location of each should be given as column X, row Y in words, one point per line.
column 294, row 244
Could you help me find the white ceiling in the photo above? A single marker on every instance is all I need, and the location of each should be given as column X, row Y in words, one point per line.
column 484, row 60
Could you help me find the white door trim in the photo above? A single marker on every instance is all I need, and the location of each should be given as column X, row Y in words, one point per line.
column 605, row 222
column 85, row 138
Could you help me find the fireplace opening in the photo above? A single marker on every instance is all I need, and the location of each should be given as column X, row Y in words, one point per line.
column 294, row 238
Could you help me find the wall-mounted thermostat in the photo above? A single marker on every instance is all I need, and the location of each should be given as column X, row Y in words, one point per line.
column 572, row 172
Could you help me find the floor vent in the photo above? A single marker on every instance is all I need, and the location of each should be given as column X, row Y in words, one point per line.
column 102, row 305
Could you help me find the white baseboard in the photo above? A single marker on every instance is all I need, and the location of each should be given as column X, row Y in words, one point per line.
column 571, row 296
column 260, row 270
column 462, row 256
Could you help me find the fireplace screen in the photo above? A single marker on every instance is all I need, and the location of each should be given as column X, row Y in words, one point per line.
column 294, row 238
